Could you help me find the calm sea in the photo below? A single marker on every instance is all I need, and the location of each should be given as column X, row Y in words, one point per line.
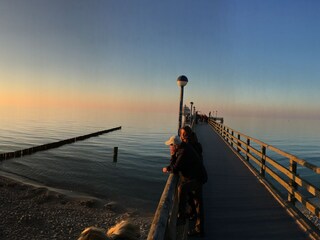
column 136, row 179
column 300, row 137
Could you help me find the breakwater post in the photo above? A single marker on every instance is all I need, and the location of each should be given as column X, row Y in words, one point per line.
column 28, row 151
column 115, row 154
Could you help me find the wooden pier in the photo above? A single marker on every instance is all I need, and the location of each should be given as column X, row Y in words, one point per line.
column 236, row 204
column 240, row 201
column 218, row 119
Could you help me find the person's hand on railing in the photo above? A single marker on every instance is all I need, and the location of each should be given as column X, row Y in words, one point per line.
column 165, row 170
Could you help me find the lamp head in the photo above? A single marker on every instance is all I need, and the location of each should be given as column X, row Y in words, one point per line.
column 182, row 81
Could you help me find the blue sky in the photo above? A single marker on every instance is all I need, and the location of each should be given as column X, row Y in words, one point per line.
column 241, row 57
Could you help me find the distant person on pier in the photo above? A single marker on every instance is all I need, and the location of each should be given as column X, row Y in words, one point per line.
column 186, row 162
column 124, row 230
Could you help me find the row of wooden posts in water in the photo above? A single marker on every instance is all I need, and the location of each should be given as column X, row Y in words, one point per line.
column 44, row 147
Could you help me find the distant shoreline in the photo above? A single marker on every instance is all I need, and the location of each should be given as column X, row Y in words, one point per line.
column 35, row 212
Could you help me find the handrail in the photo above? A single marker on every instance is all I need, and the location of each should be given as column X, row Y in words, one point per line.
column 163, row 224
column 297, row 188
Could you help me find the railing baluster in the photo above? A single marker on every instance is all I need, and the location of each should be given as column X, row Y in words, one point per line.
column 232, row 138
column 248, row 150
column 292, row 183
column 263, row 161
column 238, row 143
column 228, row 136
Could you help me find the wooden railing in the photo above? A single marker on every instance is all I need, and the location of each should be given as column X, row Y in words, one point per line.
column 163, row 225
column 283, row 177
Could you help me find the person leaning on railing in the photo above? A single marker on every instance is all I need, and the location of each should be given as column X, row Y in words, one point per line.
column 186, row 163
column 195, row 197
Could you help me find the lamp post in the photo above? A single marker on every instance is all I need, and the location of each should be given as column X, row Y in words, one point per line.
column 181, row 81
column 191, row 103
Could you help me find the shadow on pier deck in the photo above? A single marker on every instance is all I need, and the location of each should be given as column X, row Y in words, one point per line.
column 236, row 204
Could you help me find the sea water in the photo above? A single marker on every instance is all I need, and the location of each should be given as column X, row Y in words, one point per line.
column 300, row 137
column 135, row 180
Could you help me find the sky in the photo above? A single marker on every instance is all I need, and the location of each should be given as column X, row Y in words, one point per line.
column 242, row 57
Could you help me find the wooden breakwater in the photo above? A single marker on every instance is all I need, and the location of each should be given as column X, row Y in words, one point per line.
column 31, row 150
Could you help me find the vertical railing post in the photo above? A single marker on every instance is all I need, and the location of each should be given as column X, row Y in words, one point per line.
column 232, row 133
column 223, row 130
column 238, row 143
column 263, row 161
column 228, row 136
column 292, row 182
column 248, row 150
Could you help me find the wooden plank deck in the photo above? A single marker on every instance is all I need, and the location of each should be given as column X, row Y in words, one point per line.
column 236, row 204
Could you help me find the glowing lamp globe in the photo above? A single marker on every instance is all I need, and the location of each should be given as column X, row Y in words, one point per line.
column 182, row 81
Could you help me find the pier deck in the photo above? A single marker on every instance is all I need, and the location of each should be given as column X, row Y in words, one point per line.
column 236, row 204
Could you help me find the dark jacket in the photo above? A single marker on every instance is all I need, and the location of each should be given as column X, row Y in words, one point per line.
column 187, row 162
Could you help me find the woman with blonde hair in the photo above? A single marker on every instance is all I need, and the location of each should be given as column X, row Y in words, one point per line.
column 93, row 233
column 124, row 230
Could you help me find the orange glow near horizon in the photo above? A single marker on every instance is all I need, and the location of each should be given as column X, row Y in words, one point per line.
column 49, row 100
column 17, row 93
column 27, row 99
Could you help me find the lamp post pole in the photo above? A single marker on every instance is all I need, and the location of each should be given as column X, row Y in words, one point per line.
column 191, row 103
column 181, row 81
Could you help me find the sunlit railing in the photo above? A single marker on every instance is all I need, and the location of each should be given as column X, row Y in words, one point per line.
column 164, row 221
column 283, row 178
column 163, row 226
